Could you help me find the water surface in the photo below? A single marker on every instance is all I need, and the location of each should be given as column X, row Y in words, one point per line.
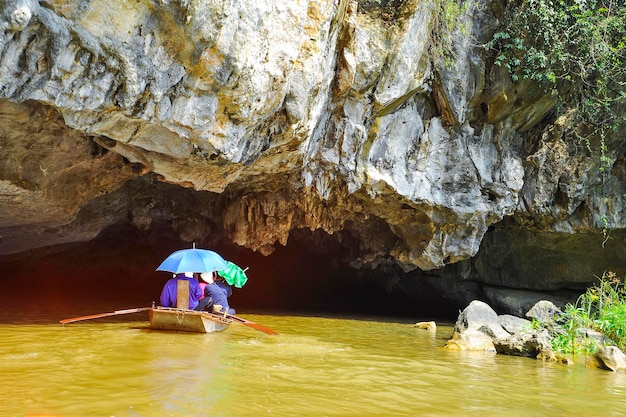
column 316, row 366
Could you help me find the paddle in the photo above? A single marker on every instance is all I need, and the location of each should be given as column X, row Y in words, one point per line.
column 249, row 323
column 113, row 313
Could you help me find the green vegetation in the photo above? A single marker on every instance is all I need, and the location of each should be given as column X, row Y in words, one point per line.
column 575, row 50
column 601, row 308
column 446, row 19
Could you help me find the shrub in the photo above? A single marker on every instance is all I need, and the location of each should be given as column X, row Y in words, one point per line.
column 602, row 308
column 576, row 51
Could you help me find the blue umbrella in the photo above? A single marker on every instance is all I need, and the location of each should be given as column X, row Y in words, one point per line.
column 193, row 260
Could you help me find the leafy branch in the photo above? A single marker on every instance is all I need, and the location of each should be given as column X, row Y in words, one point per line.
column 574, row 49
column 446, row 19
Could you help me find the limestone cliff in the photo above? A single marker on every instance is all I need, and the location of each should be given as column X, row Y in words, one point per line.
column 338, row 116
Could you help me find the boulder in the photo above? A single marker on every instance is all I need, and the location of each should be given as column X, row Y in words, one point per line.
column 479, row 327
column 599, row 338
column 426, row 325
column 476, row 328
column 544, row 311
column 471, row 339
column 513, row 324
column 479, row 316
column 531, row 343
column 611, row 357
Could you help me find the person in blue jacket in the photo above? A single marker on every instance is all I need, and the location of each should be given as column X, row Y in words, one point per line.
column 205, row 302
column 219, row 291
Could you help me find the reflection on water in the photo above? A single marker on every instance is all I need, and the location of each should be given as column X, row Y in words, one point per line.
column 314, row 367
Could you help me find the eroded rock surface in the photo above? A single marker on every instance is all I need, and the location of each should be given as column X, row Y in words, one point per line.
column 298, row 115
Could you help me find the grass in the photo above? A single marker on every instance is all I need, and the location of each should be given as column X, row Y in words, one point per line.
column 601, row 308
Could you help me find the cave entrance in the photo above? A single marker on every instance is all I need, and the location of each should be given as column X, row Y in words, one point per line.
column 117, row 270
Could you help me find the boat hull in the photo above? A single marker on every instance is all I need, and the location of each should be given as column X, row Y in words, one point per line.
column 174, row 319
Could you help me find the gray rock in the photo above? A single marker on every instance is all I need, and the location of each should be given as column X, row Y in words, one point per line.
column 530, row 343
column 544, row 312
column 472, row 340
column 426, row 325
column 476, row 313
column 611, row 358
column 476, row 327
column 513, row 324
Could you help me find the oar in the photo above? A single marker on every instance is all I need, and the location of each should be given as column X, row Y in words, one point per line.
column 249, row 323
column 113, row 313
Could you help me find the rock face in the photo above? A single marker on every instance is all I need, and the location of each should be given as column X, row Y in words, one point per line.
column 287, row 115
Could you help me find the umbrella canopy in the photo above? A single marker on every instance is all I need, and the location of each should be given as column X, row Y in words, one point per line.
column 193, row 260
column 233, row 274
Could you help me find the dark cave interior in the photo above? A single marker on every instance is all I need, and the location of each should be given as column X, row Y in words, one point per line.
column 117, row 271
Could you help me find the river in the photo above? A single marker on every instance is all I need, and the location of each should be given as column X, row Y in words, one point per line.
column 316, row 366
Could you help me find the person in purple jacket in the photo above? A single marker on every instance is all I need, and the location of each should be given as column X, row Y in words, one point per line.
column 170, row 290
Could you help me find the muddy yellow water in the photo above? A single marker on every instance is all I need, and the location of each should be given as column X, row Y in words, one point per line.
column 314, row 367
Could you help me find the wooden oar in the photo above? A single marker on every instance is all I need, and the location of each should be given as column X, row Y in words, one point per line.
column 250, row 323
column 113, row 313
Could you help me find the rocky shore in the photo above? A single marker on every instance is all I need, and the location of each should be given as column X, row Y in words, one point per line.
column 480, row 328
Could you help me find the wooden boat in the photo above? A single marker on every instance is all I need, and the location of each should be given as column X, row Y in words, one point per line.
column 161, row 318
column 183, row 319
column 179, row 319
